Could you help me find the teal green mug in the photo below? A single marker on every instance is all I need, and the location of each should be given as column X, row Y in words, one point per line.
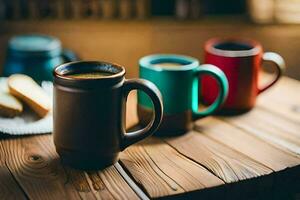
column 35, row 55
column 177, row 76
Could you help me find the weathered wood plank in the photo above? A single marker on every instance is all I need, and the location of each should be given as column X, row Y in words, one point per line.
column 285, row 179
column 227, row 164
column 283, row 98
column 162, row 171
column 36, row 166
column 9, row 188
column 247, row 144
column 272, row 158
column 270, row 127
column 243, row 148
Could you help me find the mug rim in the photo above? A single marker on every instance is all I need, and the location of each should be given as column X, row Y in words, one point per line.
column 57, row 69
column 211, row 43
column 147, row 62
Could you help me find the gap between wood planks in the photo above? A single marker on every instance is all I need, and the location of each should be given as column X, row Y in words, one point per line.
column 192, row 159
column 210, row 170
column 232, row 166
column 244, row 154
column 166, row 181
column 188, row 157
column 139, row 183
column 131, row 182
column 10, row 186
column 13, row 151
column 44, row 177
column 186, row 188
column 268, row 155
column 19, row 184
column 265, row 171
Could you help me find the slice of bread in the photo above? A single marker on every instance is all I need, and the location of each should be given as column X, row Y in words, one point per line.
column 26, row 89
column 9, row 105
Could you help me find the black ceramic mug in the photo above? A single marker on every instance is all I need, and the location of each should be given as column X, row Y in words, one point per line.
column 89, row 113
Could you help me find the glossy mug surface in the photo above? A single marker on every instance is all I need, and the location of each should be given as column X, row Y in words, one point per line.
column 176, row 76
column 241, row 61
column 36, row 56
column 89, row 113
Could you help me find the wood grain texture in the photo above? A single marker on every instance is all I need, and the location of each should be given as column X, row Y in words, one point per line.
column 247, row 143
column 162, row 171
column 36, row 166
column 108, row 184
column 285, row 164
column 227, row 164
column 271, row 128
column 9, row 188
column 283, row 98
column 256, row 152
column 36, row 169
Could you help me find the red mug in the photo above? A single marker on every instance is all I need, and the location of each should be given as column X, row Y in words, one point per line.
column 241, row 61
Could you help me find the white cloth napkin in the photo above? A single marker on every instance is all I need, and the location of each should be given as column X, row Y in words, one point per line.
column 28, row 122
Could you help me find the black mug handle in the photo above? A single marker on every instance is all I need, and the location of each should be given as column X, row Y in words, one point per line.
column 69, row 55
column 152, row 91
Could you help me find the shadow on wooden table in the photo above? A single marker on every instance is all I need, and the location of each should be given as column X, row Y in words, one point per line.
column 245, row 190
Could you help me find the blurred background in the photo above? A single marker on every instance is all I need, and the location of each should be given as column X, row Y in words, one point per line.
column 123, row 31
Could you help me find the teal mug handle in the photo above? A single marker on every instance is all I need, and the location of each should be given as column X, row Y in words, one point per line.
column 69, row 55
column 208, row 69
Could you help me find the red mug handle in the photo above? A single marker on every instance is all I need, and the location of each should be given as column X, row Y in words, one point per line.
column 280, row 67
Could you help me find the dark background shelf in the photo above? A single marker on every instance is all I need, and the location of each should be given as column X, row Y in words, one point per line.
column 125, row 42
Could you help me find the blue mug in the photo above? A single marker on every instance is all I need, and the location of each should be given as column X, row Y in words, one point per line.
column 36, row 56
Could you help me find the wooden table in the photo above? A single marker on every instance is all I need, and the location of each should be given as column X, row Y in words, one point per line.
column 250, row 156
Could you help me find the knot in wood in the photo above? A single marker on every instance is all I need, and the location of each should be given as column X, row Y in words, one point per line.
column 296, row 108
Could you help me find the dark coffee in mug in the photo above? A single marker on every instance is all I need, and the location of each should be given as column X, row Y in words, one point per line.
column 89, row 113
column 233, row 46
column 90, row 75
